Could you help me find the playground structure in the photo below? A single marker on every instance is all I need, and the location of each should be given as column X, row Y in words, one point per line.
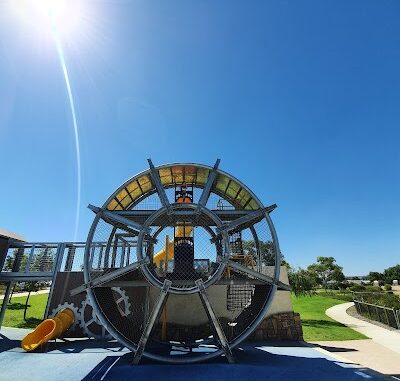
column 180, row 265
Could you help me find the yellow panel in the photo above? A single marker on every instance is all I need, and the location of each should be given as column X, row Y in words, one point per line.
column 136, row 193
column 202, row 176
column 126, row 201
column 177, row 174
column 132, row 186
column 165, row 176
column 252, row 205
column 190, row 174
column 242, row 198
column 221, row 183
column 122, row 194
column 112, row 205
column 232, row 190
column 145, row 183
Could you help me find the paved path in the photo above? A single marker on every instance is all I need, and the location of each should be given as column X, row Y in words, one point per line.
column 366, row 353
column 18, row 294
column 381, row 354
column 382, row 336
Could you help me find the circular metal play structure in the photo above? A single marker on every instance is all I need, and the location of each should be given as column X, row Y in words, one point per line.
column 196, row 254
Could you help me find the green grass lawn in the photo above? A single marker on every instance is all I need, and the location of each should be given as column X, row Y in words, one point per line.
column 14, row 316
column 316, row 325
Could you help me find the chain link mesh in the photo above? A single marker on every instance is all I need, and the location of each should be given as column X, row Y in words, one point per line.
column 185, row 249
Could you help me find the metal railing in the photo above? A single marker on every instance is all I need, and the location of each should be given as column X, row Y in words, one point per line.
column 385, row 315
column 42, row 261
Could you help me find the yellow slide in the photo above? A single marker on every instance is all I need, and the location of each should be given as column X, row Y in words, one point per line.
column 48, row 329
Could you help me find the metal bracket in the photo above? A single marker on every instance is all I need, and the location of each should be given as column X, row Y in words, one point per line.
column 255, row 274
column 213, row 319
column 117, row 218
column 157, row 182
column 108, row 277
column 251, row 217
column 155, row 315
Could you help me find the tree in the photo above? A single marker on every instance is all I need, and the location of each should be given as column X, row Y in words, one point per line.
column 326, row 270
column 302, row 282
column 391, row 273
column 374, row 275
column 31, row 286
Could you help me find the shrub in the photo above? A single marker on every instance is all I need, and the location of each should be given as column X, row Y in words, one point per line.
column 357, row 287
column 341, row 295
column 373, row 289
column 382, row 299
column 387, row 287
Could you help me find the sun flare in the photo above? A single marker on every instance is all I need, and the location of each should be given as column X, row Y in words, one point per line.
column 49, row 16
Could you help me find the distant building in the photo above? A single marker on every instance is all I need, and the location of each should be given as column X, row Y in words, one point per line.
column 358, row 279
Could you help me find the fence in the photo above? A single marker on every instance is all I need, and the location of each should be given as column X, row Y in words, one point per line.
column 385, row 315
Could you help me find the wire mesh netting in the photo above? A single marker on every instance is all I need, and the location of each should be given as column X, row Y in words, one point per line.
column 184, row 245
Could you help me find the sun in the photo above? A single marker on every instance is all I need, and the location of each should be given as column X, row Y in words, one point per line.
column 51, row 16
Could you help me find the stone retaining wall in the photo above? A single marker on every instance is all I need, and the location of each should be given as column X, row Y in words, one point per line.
column 280, row 326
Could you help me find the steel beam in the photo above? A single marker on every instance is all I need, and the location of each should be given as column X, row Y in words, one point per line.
column 247, row 219
column 255, row 274
column 108, row 277
column 157, row 183
column 116, row 217
column 155, row 315
column 207, row 188
column 214, row 321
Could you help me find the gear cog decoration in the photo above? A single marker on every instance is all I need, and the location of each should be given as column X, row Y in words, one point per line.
column 73, row 308
column 91, row 325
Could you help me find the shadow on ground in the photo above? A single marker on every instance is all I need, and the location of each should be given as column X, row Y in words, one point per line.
column 6, row 344
column 321, row 323
column 335, row 349
column 252, row 364
column 16, row 306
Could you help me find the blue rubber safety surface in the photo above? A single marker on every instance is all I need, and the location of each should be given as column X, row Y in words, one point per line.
column 253, row 362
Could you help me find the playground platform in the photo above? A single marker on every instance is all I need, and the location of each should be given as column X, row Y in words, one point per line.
column 85, row 359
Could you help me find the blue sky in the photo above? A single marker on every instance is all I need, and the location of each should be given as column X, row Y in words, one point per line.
column 300, row 100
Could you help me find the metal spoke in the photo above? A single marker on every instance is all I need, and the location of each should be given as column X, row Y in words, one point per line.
column 155, row 315
column 207, row 188
column 214, row 321
column 157, row 182
column 255, row 274
column 92, row 320
column 247, row 220
column 116, row 218
column 108, row 277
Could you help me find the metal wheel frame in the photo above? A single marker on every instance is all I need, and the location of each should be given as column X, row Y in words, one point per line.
column 155, row 282
column 152, row 278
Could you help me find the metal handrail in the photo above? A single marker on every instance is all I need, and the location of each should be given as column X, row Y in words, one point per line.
column 396, row 313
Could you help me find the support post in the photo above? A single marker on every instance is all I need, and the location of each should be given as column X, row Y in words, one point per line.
column 10, row 285
column 56, row 270
column 155, row 315
column 214, row 321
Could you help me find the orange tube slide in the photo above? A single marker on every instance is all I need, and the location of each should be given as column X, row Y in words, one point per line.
column 48, row 329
